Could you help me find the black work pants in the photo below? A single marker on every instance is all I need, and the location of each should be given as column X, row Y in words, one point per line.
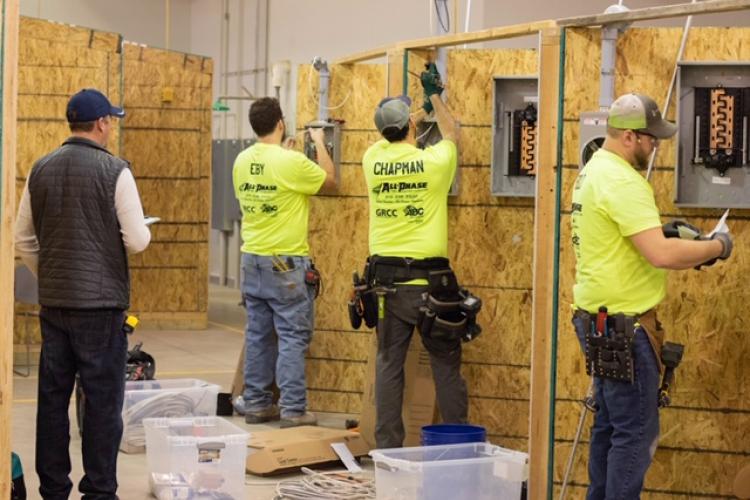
column 93, row 344
column 394, row 333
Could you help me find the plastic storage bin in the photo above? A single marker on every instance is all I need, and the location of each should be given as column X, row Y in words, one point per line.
column 197, row 457
column 182, row 397
column 480, row 471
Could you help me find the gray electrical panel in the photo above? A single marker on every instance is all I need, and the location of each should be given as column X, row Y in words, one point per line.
column 592, row 132
column 712, row 142
column 429, row 134
column 225, row 209
column 514, row 136
column 332, row 131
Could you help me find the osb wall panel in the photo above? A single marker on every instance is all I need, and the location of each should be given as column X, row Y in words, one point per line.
column 55, row 61
column 169, row 147
column 490, row 241
column 703, row 443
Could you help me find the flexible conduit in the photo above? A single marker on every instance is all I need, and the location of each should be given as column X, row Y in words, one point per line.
column 556, row 266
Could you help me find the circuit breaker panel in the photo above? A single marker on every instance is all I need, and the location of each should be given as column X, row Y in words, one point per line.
column 428, row 134
column 514, row 136
column 711, row 146
column 332, row 132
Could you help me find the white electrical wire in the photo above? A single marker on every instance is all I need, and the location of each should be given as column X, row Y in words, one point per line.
column 337, row 485
column 164, row 405
column 315, row 95
column 419, row 137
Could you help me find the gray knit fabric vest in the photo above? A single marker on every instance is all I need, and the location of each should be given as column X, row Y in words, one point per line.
column 82, row 259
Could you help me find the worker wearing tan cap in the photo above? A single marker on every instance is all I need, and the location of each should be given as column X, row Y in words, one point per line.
column 622, row 255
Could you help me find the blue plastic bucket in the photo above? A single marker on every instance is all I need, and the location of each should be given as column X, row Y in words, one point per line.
column 452, row 434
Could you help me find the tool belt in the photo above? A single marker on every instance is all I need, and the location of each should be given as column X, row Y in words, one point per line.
column 388, row 271
column 383, row 272
column 449, row 312
column 609, row 354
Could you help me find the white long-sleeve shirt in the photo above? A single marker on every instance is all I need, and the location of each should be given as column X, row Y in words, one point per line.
column 135, row 234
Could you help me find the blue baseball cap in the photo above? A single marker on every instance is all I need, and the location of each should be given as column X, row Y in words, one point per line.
column 89, row 105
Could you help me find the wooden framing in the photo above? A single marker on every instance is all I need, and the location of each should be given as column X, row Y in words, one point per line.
column 516, row 30
column 10, row 20
column 544, row 251
column 650, row 13
column 394, row 81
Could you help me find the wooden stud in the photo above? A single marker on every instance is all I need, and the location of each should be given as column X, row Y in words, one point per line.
column 513, row 31
column 544, row 250
column 394, row 81
column 10, row 21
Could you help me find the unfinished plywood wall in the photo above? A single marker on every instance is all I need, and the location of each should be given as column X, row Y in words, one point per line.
column 55, row 61
column 166, row 135
column 490, row 243
column 704, row 439
column 167, row 143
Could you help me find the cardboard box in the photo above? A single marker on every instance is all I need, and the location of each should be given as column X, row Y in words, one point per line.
column 286, row 450
column 419, row 408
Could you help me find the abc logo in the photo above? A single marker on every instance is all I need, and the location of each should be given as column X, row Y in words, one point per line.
column 386, row 212
column 412, row 211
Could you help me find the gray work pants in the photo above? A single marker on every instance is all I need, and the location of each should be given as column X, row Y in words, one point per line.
column 394, row 333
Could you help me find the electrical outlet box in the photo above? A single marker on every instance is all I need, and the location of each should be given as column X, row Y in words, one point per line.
column 332, row 133
column 225, row 209
column 514, row 136
column 711, row 147
column 429, row 134
column 592, row 132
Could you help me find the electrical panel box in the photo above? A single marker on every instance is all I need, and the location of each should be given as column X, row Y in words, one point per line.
column 514, row 136
column 332, row 133
column 225, row 209
column 429, row 134
column 592, row 132
column 712, row 142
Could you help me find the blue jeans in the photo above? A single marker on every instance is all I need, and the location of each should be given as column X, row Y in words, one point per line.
column 626, row 426
column 277, row 301
column 92, row 343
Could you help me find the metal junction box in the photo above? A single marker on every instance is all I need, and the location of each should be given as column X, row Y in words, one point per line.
column 225, row 209
column 593, row 131
column 429, row 134
column 514, row 136
column 332, row 140
column 711, row 147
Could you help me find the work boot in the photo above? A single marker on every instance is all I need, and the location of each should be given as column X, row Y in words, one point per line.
column 306, row 418
column 264, row 415
column 239, row 405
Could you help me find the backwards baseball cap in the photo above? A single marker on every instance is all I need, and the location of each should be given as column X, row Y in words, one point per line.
column 89, row 105
column 392, row 112
column 640, row 113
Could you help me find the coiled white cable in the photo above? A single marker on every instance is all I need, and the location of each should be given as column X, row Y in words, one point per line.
column 338, row 485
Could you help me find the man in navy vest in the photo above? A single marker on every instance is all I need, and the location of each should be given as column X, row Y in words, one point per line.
column 80, row 215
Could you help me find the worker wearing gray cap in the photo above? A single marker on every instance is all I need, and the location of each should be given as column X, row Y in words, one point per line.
column 622, row 255
column 408, row 192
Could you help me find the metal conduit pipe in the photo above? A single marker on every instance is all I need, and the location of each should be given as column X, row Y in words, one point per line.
column 321, row 67
column 610, row 33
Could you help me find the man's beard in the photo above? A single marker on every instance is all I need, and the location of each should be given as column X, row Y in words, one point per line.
column 641, row 160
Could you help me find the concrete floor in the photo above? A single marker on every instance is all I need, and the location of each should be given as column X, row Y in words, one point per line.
column 209, row 355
